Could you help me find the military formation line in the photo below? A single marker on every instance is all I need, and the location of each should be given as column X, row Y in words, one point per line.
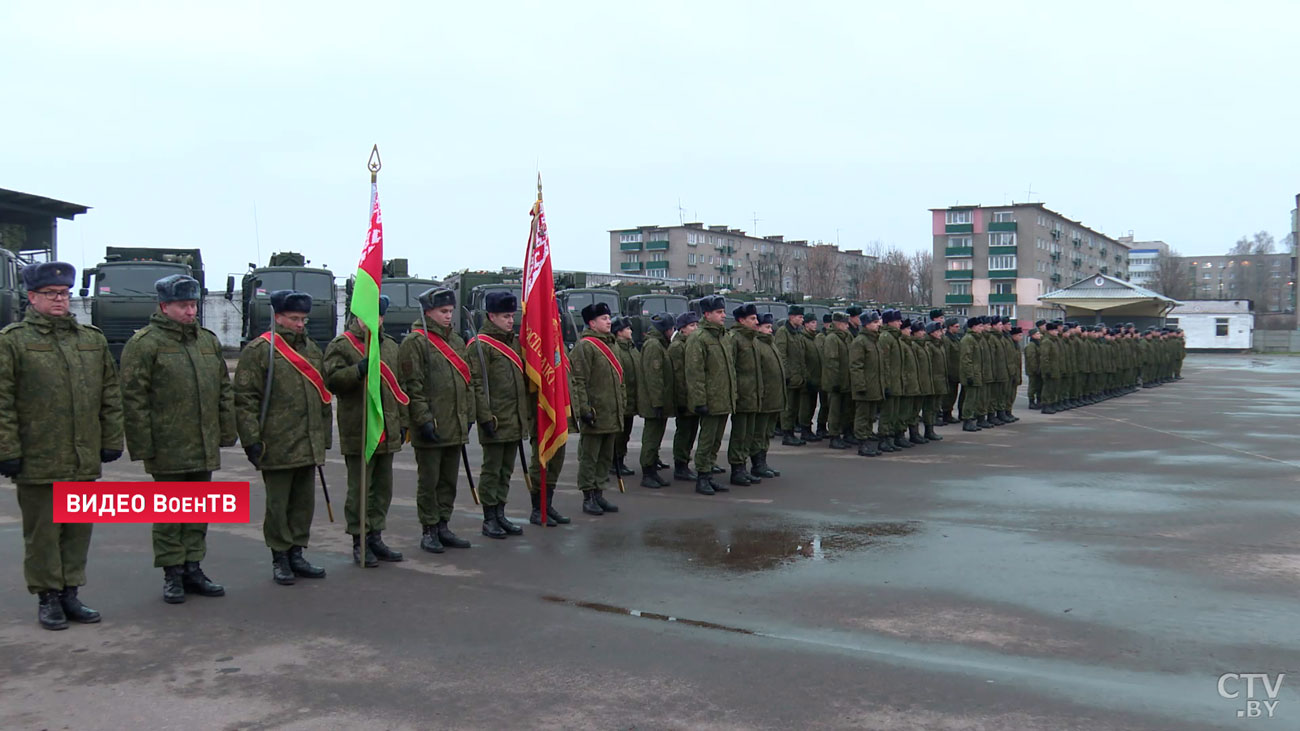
column 871, row 380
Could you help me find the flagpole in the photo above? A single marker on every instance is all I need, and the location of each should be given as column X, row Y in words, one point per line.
column 541, row 463
column 373, row 165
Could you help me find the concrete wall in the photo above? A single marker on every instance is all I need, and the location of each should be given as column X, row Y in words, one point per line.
column 1277, row 341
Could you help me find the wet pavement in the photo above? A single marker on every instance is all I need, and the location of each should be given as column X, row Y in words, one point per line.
column 1096, row 569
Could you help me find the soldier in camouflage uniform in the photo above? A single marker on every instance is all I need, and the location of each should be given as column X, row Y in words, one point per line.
column 630, row 358
column 296, row 435
column 867, row 382
column 823, row 403
column 745, row 420
column 687, row 422
column 435, row 371
column 891, row 368
column 656, row 396
column 346, row 366
column 931, row 414
column 1015, row 370
column 172, row 361
column 1032, row 368
column 773, row 392
column 909, row 409
column 812, row 368
column 972, row 374
column 501, row 411
column 835, row 379
column 952, row 360
column 792, row 345
column 599, row 401
column 60, row 419
column 711, row 388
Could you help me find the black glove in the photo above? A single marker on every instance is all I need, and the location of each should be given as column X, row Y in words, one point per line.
column 889, row 393
column 109, row 455
column 659, row 412
column 970, row 382
column 588, row 417
column 11, row 467
column 254, row 452
column 363, row 367
column 427, row 432
column 701, row 411
column 490, row 427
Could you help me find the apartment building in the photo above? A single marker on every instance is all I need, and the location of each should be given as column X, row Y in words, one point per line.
column 1268, row 280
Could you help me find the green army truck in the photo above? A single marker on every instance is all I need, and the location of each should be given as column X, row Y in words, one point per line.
column 571, row 302
column 13, row 295
column 286, row 270
column 472, row 289
column 123, row 296
column 403, row 292
column 639, row 308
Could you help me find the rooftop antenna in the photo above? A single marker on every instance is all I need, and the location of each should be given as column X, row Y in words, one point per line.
column 1029, row 194
column 756, row 220
column 681, row 212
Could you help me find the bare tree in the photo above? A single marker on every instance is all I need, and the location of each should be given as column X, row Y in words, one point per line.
column 1261, row 243
column 1172, row 278
column 823, row 270
column 772, row 265
column 922, row 271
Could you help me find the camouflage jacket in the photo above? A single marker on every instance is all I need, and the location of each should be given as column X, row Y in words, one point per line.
column 835, row 361
column 297, row 432
column 341, row 376
column 438, row 391
column 677, row 359
column 710, row 370
column 742, row 342
column 59, row 399
column 911, row 373
column 891, row 360
column 166, row 364
column 507, row 385
column 596, row 386
column 971, row 365
column 812, row 353
column 865, row 375
column 938, row 365
column 656, row 383
column 630, row 358
column 791, row 344
column 952, row 356
column 771, row 371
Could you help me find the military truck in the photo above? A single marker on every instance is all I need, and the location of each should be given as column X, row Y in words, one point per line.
column 403, row 293
column 571, row 302
column 124, row 297
column 286, row 270
column 13, row 295
column 639, row 308
column 472, row 289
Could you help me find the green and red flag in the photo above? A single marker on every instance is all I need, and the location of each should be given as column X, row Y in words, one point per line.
column 545, row 362
column 365, row 307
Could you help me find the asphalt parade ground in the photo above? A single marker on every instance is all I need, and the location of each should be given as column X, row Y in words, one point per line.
column 1101, row 568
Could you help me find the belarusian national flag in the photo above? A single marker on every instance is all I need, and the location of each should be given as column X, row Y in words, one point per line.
column 365, row 306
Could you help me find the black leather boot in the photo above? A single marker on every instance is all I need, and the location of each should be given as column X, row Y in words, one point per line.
column 837, row 442
column 914, row 434
column 535, row 517
column 947, row 418
column 869, row 448
column 969, row 425
column 298, row 564
column 739, row 476
column 704, row 485
column 370, row 560
column 589, row 504
column 886, row 444
column 930, row 435
column 659, row 464
column 821, row 432
column 551, row 512
column 50, row 612
column 604, row 504
column 1009, row 417
column 983, row 422
column 650, row 478
column 808, row 435
column 789, row 439
column 621, row 469
column 505, row 523
column 429, row 540
column 761, row 467
column 447, row 538
column 1050, row 409
column 173, row 584
column 716, row 470
column 197, row 582
column 491, row 528
column 682, row 471
column 280, row 571
column 381, row 549
column 74, row 610
column 901, row 442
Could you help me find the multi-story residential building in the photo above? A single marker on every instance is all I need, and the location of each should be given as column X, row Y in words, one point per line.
column 1265, row 279
column 998, row 260
column 1144, row 260
column 730, row 258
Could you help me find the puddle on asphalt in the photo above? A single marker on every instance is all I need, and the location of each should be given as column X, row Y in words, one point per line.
column 762, row 546
column 611, row 609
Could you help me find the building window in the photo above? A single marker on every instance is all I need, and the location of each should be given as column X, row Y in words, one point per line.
column 630, row 238
column 632, row 258
column 955, row 265
column 657, row 257
column 1002, row 239
column 690, row 260
column 1003, row 261
column 959, row 217
column 740, row 281
column 1004, row 287
column 1003, row 310
column 959, row 311
column 959, row 242
column 959, row 288
column 1221, row 327
column 690, row 277
column 1004, row 216
column 692, row 239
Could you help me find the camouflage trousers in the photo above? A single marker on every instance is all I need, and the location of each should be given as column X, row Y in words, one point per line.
column 710, row 441
column 865, row 414
column 177, row 543
column 652, row 437
column 841, row 416
column 435, row 485
column 794, row 408
column 686, row 427
column 744, row 435
column 54, row 554
column 498, row 467
column 972, row 405
column 595, row 458
column 290, row 506
column 553, row 468
column 379, row 492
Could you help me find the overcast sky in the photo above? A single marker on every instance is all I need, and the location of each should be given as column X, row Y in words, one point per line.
column 841, row 120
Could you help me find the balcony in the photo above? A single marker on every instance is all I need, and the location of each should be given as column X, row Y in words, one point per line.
column 1119, row 259
column 1056, row 234
column 1077, row 262
column 630, row 246
column 1102, row 251
column 725, row 268
column 959, row 274
column 1056, row 256
column 1104, row 270
column 959, row 299
column 1002, row 274
column 1078, row 243
column 996, row 298
column 724, row 249
column 996, row 250
column 1002, row 225
column 959, row 251
column 959, row 228
column 656, row 246
column 630, row 266
column 656, row 265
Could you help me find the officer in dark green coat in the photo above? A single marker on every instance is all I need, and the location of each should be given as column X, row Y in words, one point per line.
column 171, row 361
column 952, row 359
column 909, row 403
column 599, row 400
column 1015, row 370
column 867, row 382
column 812, row 374
column 891, row 369
column 932, row 407
column 435, row 371
column 1033, row 369
column 293, row 437
column 792, row 345
column 656, row 398
column 630, row 358
column 687, row 422
column 346, row 364
column 711, row 388
column 500, row 389
column 972, row 373
column 773, row 392
column 60, row 418
column 835, row 379
column 745, row 416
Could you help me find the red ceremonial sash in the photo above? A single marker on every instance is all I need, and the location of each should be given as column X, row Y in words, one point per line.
column 442, row 346
column 385, row 373
column 301, row 365
column 502, row 348
column 609, row 355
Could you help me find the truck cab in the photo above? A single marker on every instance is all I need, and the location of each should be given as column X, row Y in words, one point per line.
column 287, row 270
column 121, row 289
column 571, row 302
column 13, row 295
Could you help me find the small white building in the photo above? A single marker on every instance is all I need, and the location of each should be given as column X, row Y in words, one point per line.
column 1215, row 324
